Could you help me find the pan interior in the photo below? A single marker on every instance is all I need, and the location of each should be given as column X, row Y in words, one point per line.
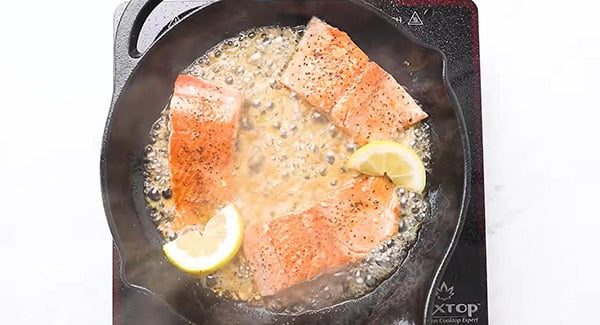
column 288, row 156
column 147, row 93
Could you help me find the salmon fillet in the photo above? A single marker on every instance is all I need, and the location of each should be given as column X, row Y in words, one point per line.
column 331, row 73
column 326, row 64
column 378, row 108
column 359, row 95
column 341, row 229
column 204, row 119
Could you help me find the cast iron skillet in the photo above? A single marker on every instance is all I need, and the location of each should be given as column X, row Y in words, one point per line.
column 143, row 86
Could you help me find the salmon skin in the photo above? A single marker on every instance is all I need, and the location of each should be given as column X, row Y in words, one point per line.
column 341, row 229
column 204, row 122
column 334, row 75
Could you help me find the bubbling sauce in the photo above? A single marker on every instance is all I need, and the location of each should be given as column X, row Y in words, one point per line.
column 287, row 157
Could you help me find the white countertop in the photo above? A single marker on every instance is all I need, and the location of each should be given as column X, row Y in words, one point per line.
column 540, row 73
column 540, row 70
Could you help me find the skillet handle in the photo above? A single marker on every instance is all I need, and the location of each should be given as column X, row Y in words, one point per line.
column 126, row 38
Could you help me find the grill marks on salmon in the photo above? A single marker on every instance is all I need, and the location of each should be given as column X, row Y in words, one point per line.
column 341, row 229
column 204, row 121
column 331, row 72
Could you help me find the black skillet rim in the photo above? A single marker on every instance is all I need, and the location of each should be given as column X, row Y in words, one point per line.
column 144, row 7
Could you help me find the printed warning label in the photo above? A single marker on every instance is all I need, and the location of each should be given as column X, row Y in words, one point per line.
column 415, row 20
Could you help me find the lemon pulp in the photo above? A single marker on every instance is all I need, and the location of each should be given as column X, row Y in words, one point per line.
column 196, row 253
column 399, row 162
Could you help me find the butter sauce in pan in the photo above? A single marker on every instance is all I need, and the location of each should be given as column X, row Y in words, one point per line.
column 287, row 157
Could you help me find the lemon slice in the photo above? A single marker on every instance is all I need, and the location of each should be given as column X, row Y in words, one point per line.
column 399, row 162
column 201, row 253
